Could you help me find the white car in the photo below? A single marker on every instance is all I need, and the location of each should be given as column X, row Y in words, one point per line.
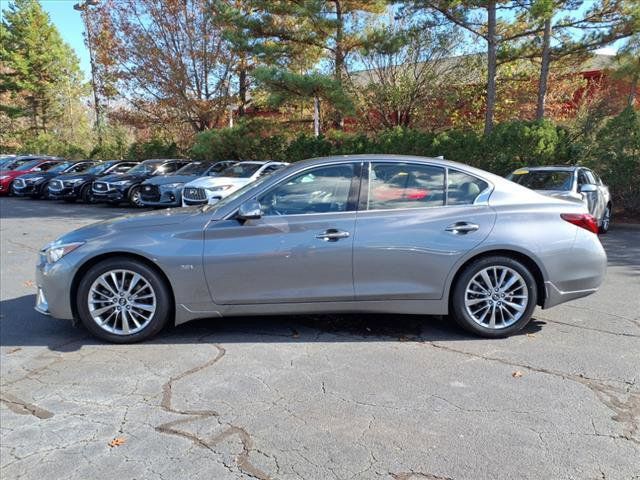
column 212, row 189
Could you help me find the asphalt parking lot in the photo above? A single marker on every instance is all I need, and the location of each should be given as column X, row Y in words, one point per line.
column 345, row 397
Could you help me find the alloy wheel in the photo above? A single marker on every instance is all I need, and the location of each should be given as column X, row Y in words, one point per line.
column 496, row 297
column 121, row 302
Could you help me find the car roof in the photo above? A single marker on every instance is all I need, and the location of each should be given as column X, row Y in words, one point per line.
column 556, row 168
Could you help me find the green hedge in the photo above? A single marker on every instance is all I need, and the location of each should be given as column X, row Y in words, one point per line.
column 613, row 152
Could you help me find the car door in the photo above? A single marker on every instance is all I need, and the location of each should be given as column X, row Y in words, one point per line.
column 411, row 230
column 300, row 250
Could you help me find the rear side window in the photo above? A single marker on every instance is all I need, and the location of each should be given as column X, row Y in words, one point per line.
column 404, row 185
column 463, row 189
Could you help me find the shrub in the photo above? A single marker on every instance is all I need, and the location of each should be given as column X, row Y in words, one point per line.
column 616, row 157
column 154, row 148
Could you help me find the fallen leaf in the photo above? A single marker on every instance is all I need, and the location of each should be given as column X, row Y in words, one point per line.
column 28, row 283
column 116, row 442
column 531, row 335
column 517, row 374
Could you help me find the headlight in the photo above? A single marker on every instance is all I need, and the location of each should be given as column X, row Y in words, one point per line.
column 173, row 185
column 56, row 251
column 218, row 188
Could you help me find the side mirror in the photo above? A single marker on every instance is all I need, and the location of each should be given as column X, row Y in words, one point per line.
column 249, row 210
column 588, row 187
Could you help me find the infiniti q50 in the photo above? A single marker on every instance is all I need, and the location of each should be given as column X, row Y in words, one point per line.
column 364, row 233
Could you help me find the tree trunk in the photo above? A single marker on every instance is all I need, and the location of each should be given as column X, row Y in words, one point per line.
column 632, row 92
column 544, row 70
column 339, row 56
column 242, row 86
column 491, row 67
column 316, row 116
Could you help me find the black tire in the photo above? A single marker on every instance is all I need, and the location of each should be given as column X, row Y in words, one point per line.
column 134, row 197
column 85, row 194
column 164, row 303
column 606, row 220
column 42, row 193
column 459, row 311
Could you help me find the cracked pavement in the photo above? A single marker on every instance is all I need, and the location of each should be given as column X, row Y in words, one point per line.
column 317, row 397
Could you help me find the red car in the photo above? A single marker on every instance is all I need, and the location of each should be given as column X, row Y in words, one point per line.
column 39, row 165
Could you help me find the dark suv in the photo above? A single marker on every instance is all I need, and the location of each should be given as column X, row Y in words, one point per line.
column 36, row 184
column 166, row 190
column 77, row 186
column 115, row 189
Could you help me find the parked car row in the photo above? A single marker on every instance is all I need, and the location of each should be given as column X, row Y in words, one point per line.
column 151, row 183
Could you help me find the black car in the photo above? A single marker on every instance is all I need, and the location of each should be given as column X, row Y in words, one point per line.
column 166, row 190
column 36, row 184
column 115, row 189
column 77, row 186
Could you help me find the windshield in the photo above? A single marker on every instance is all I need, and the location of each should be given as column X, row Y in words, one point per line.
column 98, row 169
column 27, row 166
column 195, row 168
column 241, row 170
column 237, row 194
column 543, row 179
column 145, row 167
column 61, row 167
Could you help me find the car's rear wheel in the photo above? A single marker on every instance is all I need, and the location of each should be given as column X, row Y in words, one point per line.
column 494, row 297
column 605, row 223
column 122, row 300
column 135, row 198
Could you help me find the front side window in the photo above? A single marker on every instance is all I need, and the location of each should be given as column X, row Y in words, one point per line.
column 463, row 189
column 404, row 185
column 320, row 190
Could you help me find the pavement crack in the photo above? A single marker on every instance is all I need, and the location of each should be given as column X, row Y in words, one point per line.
column 243, row 461
column 411, row 475
column 22, row 407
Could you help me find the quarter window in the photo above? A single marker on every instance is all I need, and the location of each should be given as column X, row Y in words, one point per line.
column 321, row 190
column 404, row 185
column 463, row 189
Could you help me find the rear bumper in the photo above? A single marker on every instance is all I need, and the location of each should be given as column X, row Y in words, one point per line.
column 555, row 296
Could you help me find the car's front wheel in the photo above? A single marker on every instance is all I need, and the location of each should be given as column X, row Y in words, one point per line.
column 135, row 197
column 86, row 195
column 122, row 300
column 605, row 223
column 494, row 296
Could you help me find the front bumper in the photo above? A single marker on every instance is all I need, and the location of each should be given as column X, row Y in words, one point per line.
column 170, row 197
column 66, row 192
column 109, row 196
column 24, row 191
column 54, row 286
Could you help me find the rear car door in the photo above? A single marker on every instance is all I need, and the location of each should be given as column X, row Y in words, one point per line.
column 300, row 250
column 414, row 222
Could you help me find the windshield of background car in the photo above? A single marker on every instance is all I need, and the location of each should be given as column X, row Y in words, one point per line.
column 27, row 166
column 543, row 179
column 196, row 168
column 60, row 167
column 145, row 167
column 98, row 169
column 241, row 170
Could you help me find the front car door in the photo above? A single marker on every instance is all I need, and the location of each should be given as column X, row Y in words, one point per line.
column 414, row 223
column 300, row 250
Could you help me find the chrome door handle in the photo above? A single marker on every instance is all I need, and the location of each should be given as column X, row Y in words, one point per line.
column 462, row 227
column 332, row 235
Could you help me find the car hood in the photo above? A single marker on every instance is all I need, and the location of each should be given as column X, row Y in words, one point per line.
column 115, row 177
column 204, row 182
column 135, row 221
column 12, row 173
column 26, row 176
column 166, row 179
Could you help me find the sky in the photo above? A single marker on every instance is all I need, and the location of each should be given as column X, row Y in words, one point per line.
column 69, row 23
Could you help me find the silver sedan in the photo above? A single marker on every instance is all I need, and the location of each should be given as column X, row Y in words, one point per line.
column 364, row 233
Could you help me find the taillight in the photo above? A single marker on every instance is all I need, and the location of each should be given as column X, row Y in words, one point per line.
column 582, row 220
